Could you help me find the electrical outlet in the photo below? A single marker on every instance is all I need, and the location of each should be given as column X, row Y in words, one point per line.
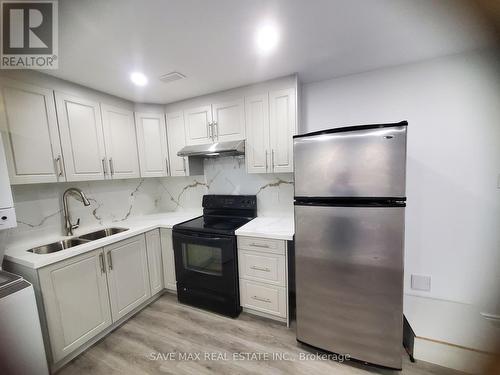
column 421, row 283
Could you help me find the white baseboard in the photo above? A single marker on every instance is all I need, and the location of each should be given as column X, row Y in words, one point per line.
column 451, row 356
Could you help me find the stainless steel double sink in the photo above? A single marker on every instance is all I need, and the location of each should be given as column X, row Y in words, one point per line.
column 75, row 241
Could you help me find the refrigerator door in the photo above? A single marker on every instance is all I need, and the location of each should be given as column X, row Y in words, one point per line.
column 349, row 280
column 369, row 162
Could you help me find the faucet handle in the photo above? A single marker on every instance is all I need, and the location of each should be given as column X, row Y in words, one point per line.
column 74, row 226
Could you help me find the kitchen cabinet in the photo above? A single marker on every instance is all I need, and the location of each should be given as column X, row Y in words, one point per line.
column 75, row 299
column 167, row 250
column 176, row 141
column 128, row 276
column 82, row 138
column 257, row 130
column 155, row 265
column 198, row 125
column 152, row 144
column 120, row 142
column 228, row 121
column 215, row 123
column 283, row 126
column 271, row 123
column 263, row 273
column 30, row 133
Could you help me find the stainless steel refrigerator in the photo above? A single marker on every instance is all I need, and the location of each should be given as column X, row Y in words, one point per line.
column 349, row 240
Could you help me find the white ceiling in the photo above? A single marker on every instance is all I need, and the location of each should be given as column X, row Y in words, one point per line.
column 211, row 42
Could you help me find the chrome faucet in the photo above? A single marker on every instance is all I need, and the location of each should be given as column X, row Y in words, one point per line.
column 79, row 195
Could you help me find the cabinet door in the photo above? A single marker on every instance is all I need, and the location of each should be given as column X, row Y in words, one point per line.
column 128, row 276
column 229, row 121
column 155, row 266
column 257, row 131
column 120, row 142
column 176, row 140
column 152, row 144
column 75, row 297
column 167, row 250
column 283, row 126
column 30, row 133
column 82, row 139
column 198, row 130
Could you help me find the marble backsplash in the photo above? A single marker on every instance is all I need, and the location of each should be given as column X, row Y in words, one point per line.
column 39, row 207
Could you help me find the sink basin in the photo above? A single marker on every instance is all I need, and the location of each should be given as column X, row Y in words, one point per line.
column 58, row 246
column 102, row 233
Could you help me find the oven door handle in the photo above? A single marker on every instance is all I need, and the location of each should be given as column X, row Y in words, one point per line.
column 199, row 235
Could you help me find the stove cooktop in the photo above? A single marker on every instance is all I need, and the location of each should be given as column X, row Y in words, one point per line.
column 220, row 224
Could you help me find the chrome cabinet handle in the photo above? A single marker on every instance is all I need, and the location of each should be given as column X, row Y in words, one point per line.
column 110, row 261
column 59, row 166
column 184, row 164
column 267, row 300
column 272, row 159
column 265, row 269
column 215, row 124
column 266, row 162
column 101, row 263
column 104, row 166
column 210, row 131
column 168, row 169
column 111, row 166
column 259, row 245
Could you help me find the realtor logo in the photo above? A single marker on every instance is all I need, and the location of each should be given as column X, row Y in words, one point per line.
column 29, row 35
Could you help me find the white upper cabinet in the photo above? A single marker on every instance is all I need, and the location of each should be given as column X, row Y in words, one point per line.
column 257, row 153
column 215, row 123
column 198, row 123
column 120, row 141
column 283, row 126
column 176, row 141
column 30, row 134
column 82, row 138
column 228, row 121
column 152, row 144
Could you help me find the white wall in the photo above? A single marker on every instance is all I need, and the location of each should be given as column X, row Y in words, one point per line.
column 452, row 105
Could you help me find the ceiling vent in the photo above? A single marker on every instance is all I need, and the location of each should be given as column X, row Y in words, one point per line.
column 171, row 77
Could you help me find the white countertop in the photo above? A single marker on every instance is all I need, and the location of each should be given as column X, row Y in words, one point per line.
column 17, row 252
column 279, row 228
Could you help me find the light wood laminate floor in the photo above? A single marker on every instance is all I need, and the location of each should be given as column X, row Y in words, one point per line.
column 142, row 346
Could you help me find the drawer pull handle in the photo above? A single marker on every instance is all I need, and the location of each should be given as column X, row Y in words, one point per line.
column 259, row 245
column 267, row 300
column 265, row 269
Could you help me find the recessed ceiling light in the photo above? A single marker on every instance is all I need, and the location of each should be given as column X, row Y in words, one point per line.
column 267, row 38
column 139, row 79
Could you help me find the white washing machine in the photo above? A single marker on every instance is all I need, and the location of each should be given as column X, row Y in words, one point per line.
column 21, row 345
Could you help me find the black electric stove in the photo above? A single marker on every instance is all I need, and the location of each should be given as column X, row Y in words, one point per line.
column 205, row 253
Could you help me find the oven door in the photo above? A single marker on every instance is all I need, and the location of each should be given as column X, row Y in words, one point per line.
column 206, row 261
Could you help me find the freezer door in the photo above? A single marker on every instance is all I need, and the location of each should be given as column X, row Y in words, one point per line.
column 360, row 163
column 349, row 280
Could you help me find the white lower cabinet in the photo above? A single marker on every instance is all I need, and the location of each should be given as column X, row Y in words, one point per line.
column 76, row 301
column 168, row 259
column 263, row 273
column 89, row 293
column 265, row 298
column 155, row 266
column 128, row 277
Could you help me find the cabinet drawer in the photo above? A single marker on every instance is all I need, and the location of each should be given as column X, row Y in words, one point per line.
column 264, row 267
column 266, row 298
column 262, row 244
